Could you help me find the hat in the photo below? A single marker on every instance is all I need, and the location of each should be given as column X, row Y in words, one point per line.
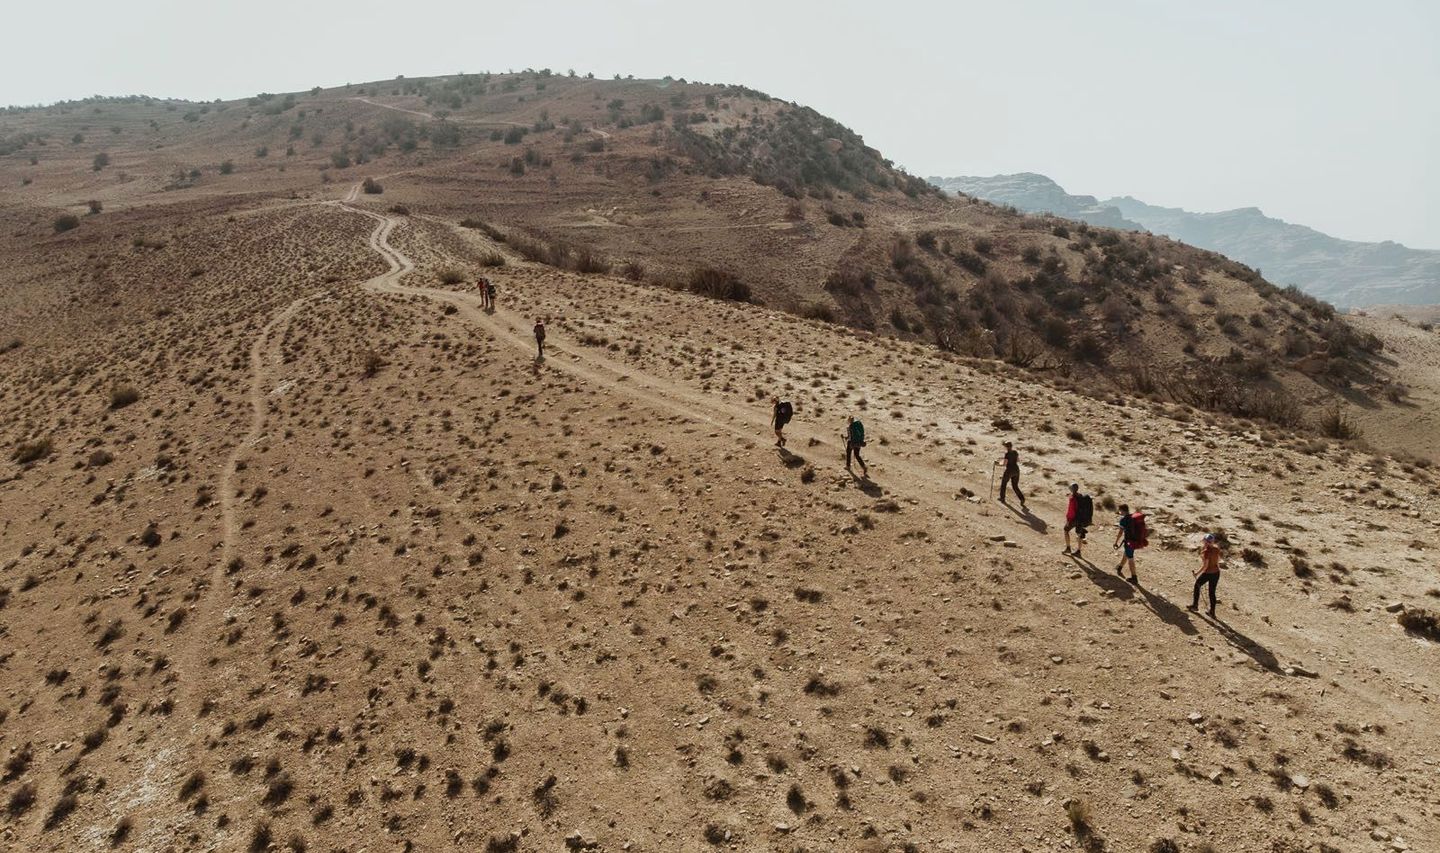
column 1209, row 537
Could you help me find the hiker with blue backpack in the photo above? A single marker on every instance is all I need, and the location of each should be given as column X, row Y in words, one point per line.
column 854, row 440
column 1133, row 533
column 1079, row 514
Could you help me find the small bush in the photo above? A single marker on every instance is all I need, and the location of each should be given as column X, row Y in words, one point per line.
column 450, row 275
column 123, row 395
column 32, row 451
column 718, row 284
column 371, row 363
column 399, row 210
column 370, row 186
column 66, row 222
column 633, row 271
column 100, row 162
column 95, row 207
column 1336, row 424
column 1419, row 621
column 227, row 167
column 492, row 259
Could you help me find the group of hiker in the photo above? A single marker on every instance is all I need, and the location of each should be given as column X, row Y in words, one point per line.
column 1131, row 530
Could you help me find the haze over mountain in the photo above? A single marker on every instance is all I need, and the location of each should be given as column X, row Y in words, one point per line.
column 1346, row 273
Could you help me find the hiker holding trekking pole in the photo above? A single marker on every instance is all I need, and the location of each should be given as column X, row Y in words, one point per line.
column 1207, row 574
column 1011, row 460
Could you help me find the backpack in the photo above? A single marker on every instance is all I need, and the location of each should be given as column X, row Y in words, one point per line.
column 857, row 434
column 785, row 411
column 1084, row 510
column 1139, row 533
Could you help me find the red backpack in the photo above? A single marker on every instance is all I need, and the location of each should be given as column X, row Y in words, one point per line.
column 1139, row 533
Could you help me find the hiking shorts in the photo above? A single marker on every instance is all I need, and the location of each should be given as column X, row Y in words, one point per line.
column 1129, row 551
column 1078, row 528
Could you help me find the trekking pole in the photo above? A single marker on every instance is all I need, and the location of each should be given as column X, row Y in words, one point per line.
column 992, row 480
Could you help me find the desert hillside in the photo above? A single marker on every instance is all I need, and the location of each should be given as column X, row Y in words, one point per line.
column 728, row 191
column 303, row 549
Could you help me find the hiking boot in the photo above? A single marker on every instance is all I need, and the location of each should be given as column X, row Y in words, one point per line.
column 1192, row 608
column 1135, row 580
column 1212, row 614
column 1067, row 550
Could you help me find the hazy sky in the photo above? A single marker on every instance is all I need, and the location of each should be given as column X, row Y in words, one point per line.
column 1320, row 112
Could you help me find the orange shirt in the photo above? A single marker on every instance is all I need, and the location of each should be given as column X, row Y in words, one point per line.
column 1210, row 559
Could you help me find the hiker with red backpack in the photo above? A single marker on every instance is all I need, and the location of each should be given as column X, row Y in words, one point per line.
column 1134, row 534
column 1079, row 514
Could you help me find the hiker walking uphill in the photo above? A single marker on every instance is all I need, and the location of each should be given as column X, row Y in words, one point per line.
column 1134, row 535
column 539, row 338
column 779, row 417
column 1011, row 474
column 1079, row 513
column 485, row 288
column 854, row 440
column 489, row 294
column 1208, row 573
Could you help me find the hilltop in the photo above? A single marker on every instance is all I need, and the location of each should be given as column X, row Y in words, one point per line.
column 1345, row 273
column 304, row 550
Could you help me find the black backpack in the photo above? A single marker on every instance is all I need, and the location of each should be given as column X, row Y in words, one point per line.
column 1084, row 510
column 785, row 411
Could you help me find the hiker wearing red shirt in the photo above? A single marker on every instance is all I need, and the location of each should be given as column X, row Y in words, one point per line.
column 1079, row 513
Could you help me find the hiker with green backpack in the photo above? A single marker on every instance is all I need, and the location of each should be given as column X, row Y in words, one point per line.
column 1079, row 514
column 854, row 440
column 1134, row 534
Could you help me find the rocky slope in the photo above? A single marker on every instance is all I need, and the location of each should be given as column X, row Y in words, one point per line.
column 1345, row 273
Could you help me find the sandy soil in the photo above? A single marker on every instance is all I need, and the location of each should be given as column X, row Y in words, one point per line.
column 362, row 572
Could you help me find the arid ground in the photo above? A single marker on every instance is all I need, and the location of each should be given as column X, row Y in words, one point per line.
column 303, row 549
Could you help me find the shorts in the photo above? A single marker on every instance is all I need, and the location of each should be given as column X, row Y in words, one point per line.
column 781, row 422
column 1078, row 528
column 1129, row 551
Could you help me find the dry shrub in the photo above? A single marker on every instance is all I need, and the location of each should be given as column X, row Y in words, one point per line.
column 450, row 275
column 1418, row 620
column 123, row 395
column 31, row 451
column 718, row 284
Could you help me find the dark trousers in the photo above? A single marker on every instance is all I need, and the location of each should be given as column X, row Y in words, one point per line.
column 1011, row 476
column 853, row 449
column 1212, row 579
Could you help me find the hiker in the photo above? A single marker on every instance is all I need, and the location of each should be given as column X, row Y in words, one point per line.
column 1011, row 461
column 1208, row 573
column 484, row 286
column 782, row 415
column 1079, row 513
column 854, row 440
column 1133, row 534
column 539, row 338
column 490, row 294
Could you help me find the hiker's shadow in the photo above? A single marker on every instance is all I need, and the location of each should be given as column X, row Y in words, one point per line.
column 1123, row 590
column 1036, row 523
column 868, row 486
column 790, row 460
column 1258, row 653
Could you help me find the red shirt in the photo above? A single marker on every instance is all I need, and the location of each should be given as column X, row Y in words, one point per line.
column 1071, row 509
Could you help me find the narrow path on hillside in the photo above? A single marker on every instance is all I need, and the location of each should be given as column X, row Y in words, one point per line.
column 211, row 607
column 478, row 122
column 744, row 422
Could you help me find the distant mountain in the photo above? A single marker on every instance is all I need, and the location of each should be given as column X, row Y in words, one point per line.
column 1346, row 273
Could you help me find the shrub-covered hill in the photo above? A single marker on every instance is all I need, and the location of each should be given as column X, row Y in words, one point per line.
column 683, row 184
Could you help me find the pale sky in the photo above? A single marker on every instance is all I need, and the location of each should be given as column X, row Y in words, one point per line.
column 1319, row 112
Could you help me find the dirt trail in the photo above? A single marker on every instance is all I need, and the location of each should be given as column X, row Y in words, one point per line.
column 742, row 422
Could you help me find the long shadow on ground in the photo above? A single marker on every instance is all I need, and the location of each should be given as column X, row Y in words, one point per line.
column 1124, row 591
